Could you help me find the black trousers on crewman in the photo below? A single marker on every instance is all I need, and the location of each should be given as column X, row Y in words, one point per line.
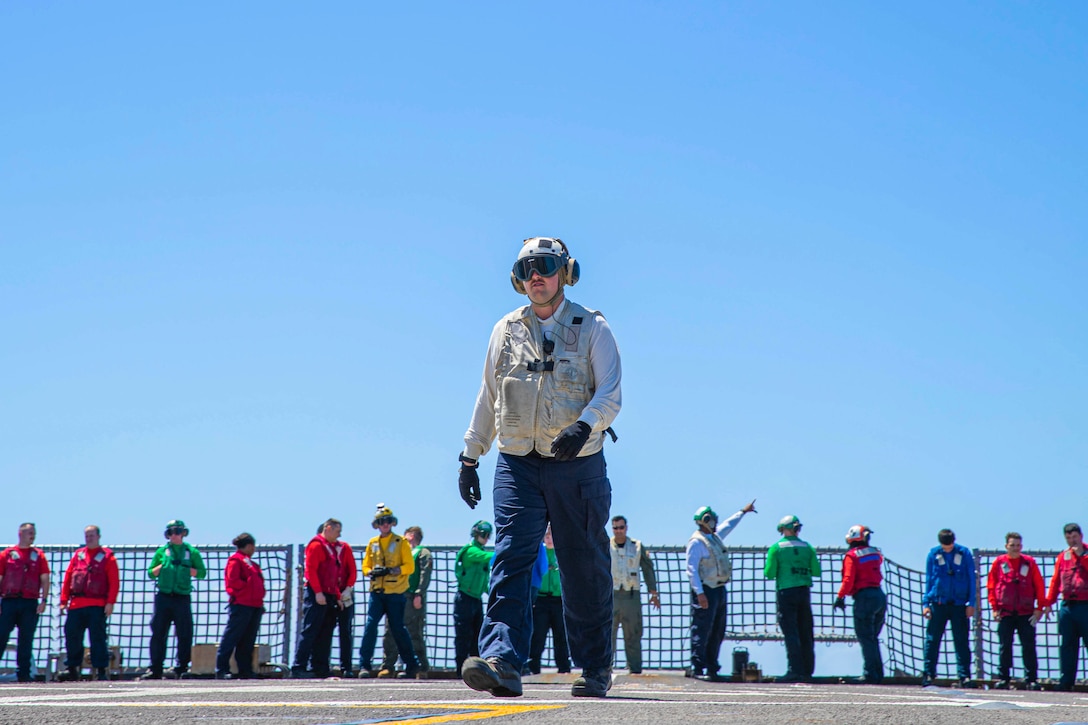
column 176, row 609
column 80, row 620
column 795, row 620
column 239, row 639
column 548, row 614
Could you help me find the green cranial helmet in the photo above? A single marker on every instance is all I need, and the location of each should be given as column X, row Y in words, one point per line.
column 704, row 515
column 789, row 522
column 176, row 525
column 481, row 527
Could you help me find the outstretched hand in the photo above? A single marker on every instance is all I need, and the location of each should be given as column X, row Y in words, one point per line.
column 750, row 508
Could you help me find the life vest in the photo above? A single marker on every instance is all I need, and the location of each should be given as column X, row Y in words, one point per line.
column 867, row 562
column 89, row 574
column 538, row 394
column 22, row 574
column 716, row 569
column 1013, row 589
column 1073, row 575
column 625, row 564
column 328, row 571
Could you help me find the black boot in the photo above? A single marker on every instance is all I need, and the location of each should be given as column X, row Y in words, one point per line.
column 72, row 675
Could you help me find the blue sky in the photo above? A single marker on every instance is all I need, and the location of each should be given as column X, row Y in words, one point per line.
column 250, row 256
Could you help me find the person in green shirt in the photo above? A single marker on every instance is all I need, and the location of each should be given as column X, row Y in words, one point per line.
column 473, row 571
column 792, row 563
column 548, row 614
column 173, row 567
column 415, row 609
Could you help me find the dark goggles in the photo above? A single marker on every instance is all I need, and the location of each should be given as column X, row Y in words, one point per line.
column 383, row 520
column 175, row 530
column 544, row 264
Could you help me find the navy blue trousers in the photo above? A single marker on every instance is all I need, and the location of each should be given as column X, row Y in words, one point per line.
column 707, row 630
column 575, row 497
column 176, row 609
column 870, row 607
column 1073, row 628
column 390, row 606
column 21, row 613
column 795, row 621
column 941, row 615
column 345, row 627
column 315, row 635
column 239, row 638
column 468, row 618
column 81, row 620
column 1020, row 625
column 548, row 615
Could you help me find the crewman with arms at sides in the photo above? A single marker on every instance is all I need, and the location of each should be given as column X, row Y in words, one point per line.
column 415, row 607
column 949, row 598
column 793, row 565
column 88, row 595
column 472, row 569
column 1070, row 579
column 24, row 591
column 244, row 582
column 1017, row 597
column 629, row 557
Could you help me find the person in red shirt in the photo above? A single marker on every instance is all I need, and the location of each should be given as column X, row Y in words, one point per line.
column 1014, row 586
column 861, row 578
column 345, row 614
column 245, row 585
column 1071, row 580
column 24, row 575
column 320, row 602
column 88, row 595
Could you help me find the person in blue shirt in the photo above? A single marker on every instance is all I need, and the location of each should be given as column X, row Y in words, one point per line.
column 949, row 598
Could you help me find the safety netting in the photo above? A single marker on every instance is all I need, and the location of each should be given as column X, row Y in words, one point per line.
column 130, row 626
column 750, row 597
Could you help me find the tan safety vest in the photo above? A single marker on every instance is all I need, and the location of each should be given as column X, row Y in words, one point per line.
column 625, row 564
column 535, row 404
column 716, row 569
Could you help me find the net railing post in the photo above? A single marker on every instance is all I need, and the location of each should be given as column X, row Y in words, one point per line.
column 288, row 587
column 977, row 619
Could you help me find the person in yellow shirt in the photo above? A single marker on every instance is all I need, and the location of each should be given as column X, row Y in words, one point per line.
column 388, row 563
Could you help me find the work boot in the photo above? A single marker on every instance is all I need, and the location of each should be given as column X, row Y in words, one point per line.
column 71, row 675
column 593, row 682
column 102, row 674
column 927, row 680
column 152, row 675
column 301, row 674
column 386, row 673
column 1034, row 686
column 1003, row 684
column 494, row 675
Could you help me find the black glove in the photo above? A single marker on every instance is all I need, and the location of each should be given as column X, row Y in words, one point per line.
column 379, row 571
column 840, row 603
column 469, row 483
column 570, row 441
